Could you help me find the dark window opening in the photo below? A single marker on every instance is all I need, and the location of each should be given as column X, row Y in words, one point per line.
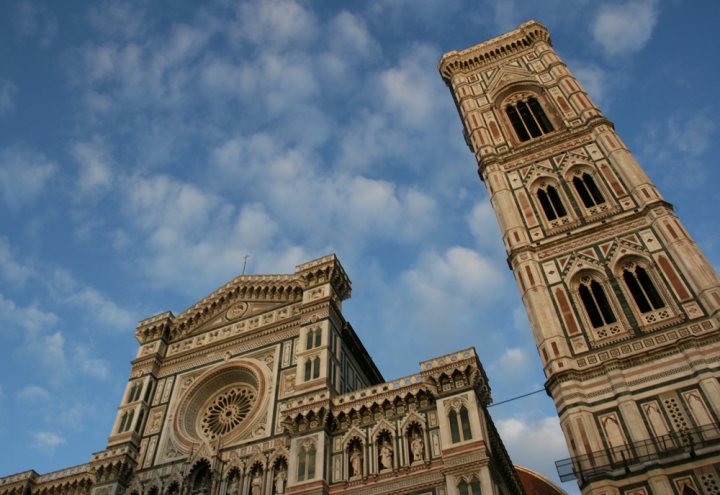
column 302, row 462
column 316, row 367
column 122, row 423
column 528, row 119
column 642, row 289
column 463, row 488
column 516, row 121
column 588, row 191
column 454, row 427
column 308, row 370
column 465, row 421
column 551, row 204
column 596, row 304
column 138, row 425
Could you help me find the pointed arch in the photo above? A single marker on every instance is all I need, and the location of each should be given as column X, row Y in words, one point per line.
column 354, row 433
column 380, row 427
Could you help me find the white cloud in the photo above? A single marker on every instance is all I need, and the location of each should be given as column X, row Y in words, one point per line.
column 95, row 170
column 513, row 359
column 117, row 18
column 96, row 306
column 534, row 443
column 34, row 20
column 682, row 138
column 593, row 79
column 275, row 23
column 46, row 441
column 75, row 416
column 12, row 270
column 411, row 92
column 350, row 36
column 23, row 175
column 625, row 28
column 30, row 318
column 8, row 91
column 451, row 283
column 520, row 319
column 84, row 360
column 33, row 393
column 50, row 351
column 484, row 226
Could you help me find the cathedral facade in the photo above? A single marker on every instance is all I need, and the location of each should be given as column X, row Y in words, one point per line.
column 263, row 388
column 624, row 307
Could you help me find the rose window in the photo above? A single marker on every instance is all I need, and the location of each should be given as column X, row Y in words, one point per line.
column 222, row 403
column 227, row 411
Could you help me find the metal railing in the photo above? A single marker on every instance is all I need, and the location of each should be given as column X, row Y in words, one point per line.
column 619, row 461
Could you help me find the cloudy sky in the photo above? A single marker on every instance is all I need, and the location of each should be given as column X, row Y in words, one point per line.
column 146, row 147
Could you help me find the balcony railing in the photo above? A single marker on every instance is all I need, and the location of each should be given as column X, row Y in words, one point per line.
column 619, row 461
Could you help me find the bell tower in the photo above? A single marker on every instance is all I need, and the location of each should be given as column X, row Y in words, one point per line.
column 624, row 308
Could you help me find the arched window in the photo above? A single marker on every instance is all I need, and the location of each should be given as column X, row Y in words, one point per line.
column 308, row 370
column 138, row 425
column 131, row 395
column 312, row 368
column 551, row 204
column 465, row 423
column 314, row 338
column 588, row 190
column 529, row 119
column 316, row 367
column 460, row 425
column 596, row 303
column 147, row 392
column 472, row 488
column 129, row 421
column 121, row 428
column 306, row 463
column 135, row 392
column 642, row 288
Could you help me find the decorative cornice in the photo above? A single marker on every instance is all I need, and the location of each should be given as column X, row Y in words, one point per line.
column 268, row 288
column 488, row 52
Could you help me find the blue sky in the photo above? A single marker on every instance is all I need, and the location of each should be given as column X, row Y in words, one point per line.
column 146, row 147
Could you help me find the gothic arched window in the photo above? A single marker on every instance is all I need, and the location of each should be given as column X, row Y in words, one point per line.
column 314, row 338
column 596, row 303
column 121, row 428
column 642, row 288
column 528, row 118
column 138, row 425
column 129, row 421
column 460, row 423
column 308, row 369
column 472, row 488
column 134, row 392
column 316, row 367
column 551, row 204
column 588, row 190
column 147, row 392
column 312, row 368
column 306, row 463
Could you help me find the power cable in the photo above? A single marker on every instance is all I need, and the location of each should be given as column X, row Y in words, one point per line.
column 516, row 398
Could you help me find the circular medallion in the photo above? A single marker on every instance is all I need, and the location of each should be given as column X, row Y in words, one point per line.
column 226, row 411
column 222, row 403
column 236, row 311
